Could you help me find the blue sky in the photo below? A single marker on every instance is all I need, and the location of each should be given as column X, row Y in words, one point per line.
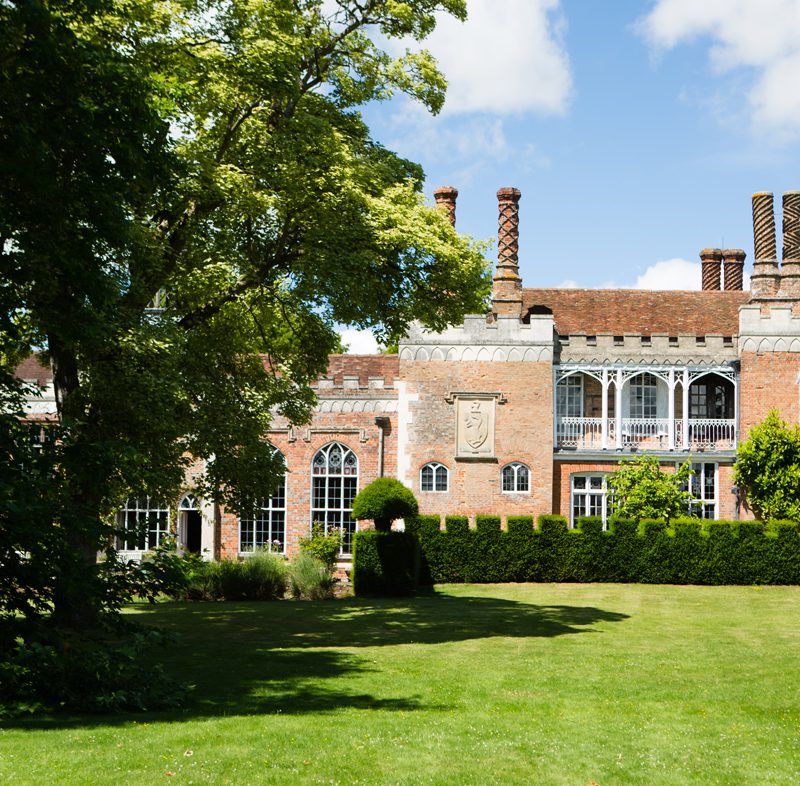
column 637, row 131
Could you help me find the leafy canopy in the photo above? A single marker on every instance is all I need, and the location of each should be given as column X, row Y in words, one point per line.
column 768, row 467
column 209, row 153
column 641, row 490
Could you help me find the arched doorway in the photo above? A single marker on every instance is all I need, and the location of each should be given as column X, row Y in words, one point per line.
column 190, row 525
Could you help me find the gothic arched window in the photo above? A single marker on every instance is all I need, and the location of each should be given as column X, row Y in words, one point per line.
column 433, row 477
column 516, row 477
column 334, row 486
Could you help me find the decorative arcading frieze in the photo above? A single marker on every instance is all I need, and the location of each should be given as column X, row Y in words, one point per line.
column 506, row 339
column 774, row 330
column 356, row 405
column 494, row 354
column 771, row 344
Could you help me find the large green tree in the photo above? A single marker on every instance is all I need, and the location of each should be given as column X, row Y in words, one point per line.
column 768, row 469
column 210, row 154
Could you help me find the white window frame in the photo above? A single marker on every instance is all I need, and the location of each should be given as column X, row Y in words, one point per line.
column 569, row 391
column 327, row 514
column 586, row 493
column 517, row 468
column 644, row 396
column 138, row 510
column 268, row 521
column 699, row 482
column 437, row 470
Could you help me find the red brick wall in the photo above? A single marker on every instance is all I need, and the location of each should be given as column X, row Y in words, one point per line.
column 299, row 454
column 523, row 432
column 768, row 381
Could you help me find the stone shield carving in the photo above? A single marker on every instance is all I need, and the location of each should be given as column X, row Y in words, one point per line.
column 475, row 426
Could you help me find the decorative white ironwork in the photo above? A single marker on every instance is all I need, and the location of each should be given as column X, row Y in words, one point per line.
column 580, row 433
column 711, row 434
column 645, row 432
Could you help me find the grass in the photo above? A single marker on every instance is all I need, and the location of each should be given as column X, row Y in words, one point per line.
column 480, row 684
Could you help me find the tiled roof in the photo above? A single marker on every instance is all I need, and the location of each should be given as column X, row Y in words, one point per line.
column 31, row 368
column 640, row 311
column 363, row 366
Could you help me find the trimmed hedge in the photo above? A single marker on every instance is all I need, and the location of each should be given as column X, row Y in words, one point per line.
column 385, row 563
column 688, row 551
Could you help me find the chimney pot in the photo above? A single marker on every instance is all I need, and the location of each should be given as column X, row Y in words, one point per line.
column 711, row 259
column 790, row 264
column 733, row 263
column 446, row 196
column 766, row 277
column 507, row 289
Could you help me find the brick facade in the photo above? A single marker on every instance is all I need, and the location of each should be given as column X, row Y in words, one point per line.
column 716, row 361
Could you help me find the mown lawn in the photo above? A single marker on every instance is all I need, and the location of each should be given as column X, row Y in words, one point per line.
column 472, row 684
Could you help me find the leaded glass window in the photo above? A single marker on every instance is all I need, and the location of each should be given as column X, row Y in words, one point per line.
column 334, row 485
column 516, row 477
column 433, row 477
column 143, row 524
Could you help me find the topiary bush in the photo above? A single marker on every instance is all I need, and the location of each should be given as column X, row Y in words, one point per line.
column 385, row 563
column 383, row 501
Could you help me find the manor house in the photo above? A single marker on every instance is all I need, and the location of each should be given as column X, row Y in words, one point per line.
column 528, row 408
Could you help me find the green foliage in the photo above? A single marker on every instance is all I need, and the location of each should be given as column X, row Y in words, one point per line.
column 385, row 563
column 310, row 578
column 641, row 490
column 768, row 468
column 261, row 576
column 99, row 671
column 683, row 551
column 325, row 548
column 384, row 500
column 212, row 153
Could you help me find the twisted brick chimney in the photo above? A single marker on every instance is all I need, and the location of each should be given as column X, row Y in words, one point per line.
column 790, row 264
column 711, row 259
column 446, row 196
column 766, row 277
column 733, row 267
column 507, row 287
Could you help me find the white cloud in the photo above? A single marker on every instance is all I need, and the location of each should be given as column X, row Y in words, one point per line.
column 468, row 145
column 359, row 342
column 671, row 274
column 762, row 35
column 504, row 59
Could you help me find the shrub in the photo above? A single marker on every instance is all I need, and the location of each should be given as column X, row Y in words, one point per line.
column 91, row 671
column 722, row 552
column 385, row 563
column 261, row 576
column 324, row 547
column 384, row 500
column 310, row 578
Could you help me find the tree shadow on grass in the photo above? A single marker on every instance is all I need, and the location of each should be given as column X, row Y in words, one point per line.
column 295, row 658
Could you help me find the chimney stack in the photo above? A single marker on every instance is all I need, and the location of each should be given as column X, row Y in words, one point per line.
column 766, row 277
column 790, row 264
column 507, row 288
column 446, row 195
column 733, row 264
column 711, row 259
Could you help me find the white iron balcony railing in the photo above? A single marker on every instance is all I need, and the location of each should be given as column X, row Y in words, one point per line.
column 580, row 433
column 645, row 433
column 707, row 434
